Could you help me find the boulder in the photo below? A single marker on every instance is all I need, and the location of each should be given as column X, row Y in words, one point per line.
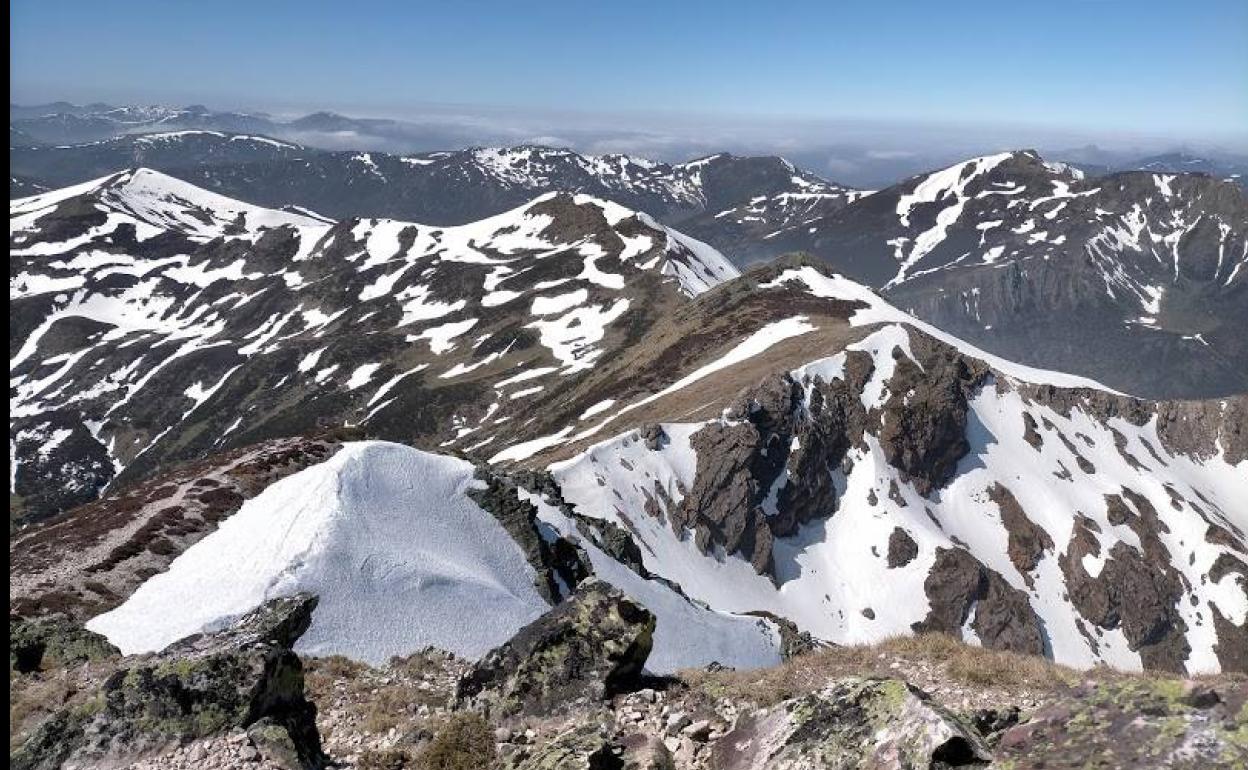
column 853, row 724
column 54, row 640
column 1139, row 723
column 591, row 646
column 584, row 747
column 207, row 684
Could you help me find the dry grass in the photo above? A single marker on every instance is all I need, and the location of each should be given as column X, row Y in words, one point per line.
column 385, row 759
column 464, row 741
column 35, row 696
column 946, row 659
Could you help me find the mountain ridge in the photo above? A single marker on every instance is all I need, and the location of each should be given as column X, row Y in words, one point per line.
column 783, row 442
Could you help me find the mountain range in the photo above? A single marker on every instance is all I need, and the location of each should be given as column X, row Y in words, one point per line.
column 1131, row 278
column 213, row 398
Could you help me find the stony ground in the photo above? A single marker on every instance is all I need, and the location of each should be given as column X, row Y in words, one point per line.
column 402, row 715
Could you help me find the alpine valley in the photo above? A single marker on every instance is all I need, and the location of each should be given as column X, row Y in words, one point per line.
column 560, row 461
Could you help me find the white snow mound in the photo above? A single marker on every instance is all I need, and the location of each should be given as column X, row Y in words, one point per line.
column 386, row 536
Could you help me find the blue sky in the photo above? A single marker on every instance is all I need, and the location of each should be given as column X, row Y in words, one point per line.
column 1149, row 67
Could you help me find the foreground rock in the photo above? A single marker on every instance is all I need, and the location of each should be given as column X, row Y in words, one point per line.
column 1139, row 724
column 209, row 684
column 588, row 648
column 852, row 723
column 53, row 640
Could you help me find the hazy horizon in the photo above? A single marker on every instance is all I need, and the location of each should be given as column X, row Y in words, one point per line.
column 853, row 91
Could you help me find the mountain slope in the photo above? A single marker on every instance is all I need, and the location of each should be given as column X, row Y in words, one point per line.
column 152, row 322
column 729, row 201
column 784, row 443
column 908, row 482
column 1135, row 279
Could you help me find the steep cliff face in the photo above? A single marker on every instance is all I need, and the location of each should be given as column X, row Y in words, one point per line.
column 906, row 483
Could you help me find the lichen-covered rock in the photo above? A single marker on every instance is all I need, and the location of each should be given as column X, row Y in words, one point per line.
column 584, row 747
column 1137, row 723
column 275, row 744
column 591, row 646
column 645, row 752
column 53, row 640
column 852, row 724
column 203, row 685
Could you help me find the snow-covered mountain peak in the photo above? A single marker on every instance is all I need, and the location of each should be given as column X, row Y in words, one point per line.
column 154, row 202
column 131, row 273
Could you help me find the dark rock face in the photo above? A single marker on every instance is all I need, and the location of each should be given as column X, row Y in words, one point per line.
column 853, row 723
column 924, row 433
column 788, row 444
column 1136, row 591
column 901, row 548
column 723, row 506
column 1004, row 619
column 591, row 646
column 1028, row 541
column 245, row 676
column 559, row 565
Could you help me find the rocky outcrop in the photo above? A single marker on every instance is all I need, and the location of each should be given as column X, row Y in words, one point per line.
column 851, row 724
column 768, row 470
column 54, row 641
column 1141, row 724
column 960, row 589
column 557, row 563
column 1136, row 590
column 1028, row 541
column 587, row 648
column 901, row 548
column 243, row 677
column 922, row 426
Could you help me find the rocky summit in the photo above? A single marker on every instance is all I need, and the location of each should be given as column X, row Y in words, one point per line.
column 557, row 478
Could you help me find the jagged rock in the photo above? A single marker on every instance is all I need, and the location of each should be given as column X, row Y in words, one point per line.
column 1137, row 591
column 653, row 436
column 793, row 640
column 1028, row 541
column 776, row 430
column 923, row 430
column 722, row 507
column 901, row 548
column 593, row 645
column 853, row 723
column 1142, row 724
column 554, row 559
column 53, row 640
column 204, row 685
column 1004, row 619
column 614, row 540
column 585, row 747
